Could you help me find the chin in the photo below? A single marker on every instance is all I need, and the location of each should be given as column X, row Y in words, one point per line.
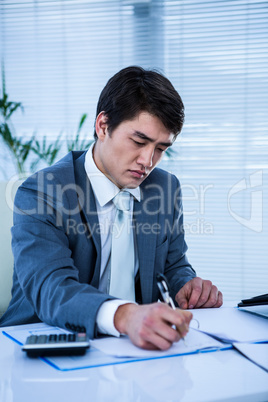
column 132, row 184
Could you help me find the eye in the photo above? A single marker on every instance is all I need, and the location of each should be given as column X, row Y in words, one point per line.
column 140, row 144
column 161, row 150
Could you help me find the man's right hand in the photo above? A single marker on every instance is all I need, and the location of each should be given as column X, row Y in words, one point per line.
column 149, row 326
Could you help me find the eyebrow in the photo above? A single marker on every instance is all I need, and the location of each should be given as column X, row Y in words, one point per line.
column 145, row 137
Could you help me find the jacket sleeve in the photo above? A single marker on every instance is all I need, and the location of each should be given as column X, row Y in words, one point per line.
column 178, row 270
column 43, row 260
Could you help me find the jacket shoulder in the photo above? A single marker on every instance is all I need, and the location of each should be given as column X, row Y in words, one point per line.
column 62, row 171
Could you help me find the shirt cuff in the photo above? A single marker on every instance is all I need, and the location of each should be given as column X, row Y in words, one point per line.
column 105, row 316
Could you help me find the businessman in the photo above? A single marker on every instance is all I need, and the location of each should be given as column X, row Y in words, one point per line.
column 91, row 232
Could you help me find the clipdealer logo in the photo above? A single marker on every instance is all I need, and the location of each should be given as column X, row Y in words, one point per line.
column 254, row 184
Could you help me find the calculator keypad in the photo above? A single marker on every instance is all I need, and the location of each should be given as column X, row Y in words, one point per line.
column 56, row 344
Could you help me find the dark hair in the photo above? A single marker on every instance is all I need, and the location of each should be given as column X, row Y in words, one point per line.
column 133, row 90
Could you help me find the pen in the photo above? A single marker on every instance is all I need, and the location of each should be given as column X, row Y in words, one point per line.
column 163, row 286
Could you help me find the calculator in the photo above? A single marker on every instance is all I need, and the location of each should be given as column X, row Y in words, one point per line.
column 56, row 344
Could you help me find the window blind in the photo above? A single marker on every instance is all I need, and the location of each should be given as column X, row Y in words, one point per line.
column 58, row 55
column 216, row 54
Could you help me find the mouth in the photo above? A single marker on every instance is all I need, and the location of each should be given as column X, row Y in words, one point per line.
column 139, row 174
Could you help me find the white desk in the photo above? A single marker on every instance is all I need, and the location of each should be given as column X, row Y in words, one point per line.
column 216, row 376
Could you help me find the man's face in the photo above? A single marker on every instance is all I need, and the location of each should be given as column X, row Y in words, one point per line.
column 133, row 149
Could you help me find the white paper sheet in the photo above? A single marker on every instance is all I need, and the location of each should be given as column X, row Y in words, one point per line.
column 256, row 352
column 122, row 347
column 231, row 324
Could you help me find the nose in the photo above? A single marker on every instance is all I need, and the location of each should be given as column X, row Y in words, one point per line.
column 146, row 157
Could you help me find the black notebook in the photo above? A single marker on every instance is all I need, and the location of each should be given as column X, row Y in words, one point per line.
column 255, row 305
column 254, row 301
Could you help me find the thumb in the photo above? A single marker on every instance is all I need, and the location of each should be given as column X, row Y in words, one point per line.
column 181, row 299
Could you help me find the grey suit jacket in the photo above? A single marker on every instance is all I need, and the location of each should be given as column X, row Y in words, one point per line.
column 57, row 248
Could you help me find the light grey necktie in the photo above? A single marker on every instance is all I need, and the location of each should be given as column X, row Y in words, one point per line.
column 122, row 283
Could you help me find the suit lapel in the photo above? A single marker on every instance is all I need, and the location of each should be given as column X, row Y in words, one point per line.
column 145, row 219
column 145, row 216
column 86, row 200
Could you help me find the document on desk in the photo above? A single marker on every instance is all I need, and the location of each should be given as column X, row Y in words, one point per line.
column 110, row 350
column 256, row 352
column 231, row 325
column 261, row 310
column 122, row 347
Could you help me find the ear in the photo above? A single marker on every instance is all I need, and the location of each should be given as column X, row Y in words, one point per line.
column 101, row 126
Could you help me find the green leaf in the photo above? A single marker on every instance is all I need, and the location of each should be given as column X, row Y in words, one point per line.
column 170, row 153
column 82, row 121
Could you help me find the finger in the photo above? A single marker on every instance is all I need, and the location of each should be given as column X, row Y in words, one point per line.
column 220, row 300
column 156, row 328
column 188, row 316
column 182, row 301
column 184, row 328
column 158, row 342
column 167, row 317
column 183, row 304
column 183, row 295
column 174, row 333
column 208, row 296
column 197, row 288
column 157, row 337
column 146, row 345
column 211, row 299
column 215, row 298
column 181, row 319
column 168, row 332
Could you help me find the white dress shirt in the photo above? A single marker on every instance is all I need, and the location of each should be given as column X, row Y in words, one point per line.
column 104, row 191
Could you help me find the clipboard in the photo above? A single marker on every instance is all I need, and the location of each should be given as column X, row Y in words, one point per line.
column 95, row 357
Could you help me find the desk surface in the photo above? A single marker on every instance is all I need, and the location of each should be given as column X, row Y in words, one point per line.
column 216, row 376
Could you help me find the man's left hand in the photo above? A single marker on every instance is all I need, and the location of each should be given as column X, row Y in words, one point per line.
column 198, row 293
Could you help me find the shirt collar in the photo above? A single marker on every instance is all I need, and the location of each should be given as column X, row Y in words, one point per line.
column 100, row 182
